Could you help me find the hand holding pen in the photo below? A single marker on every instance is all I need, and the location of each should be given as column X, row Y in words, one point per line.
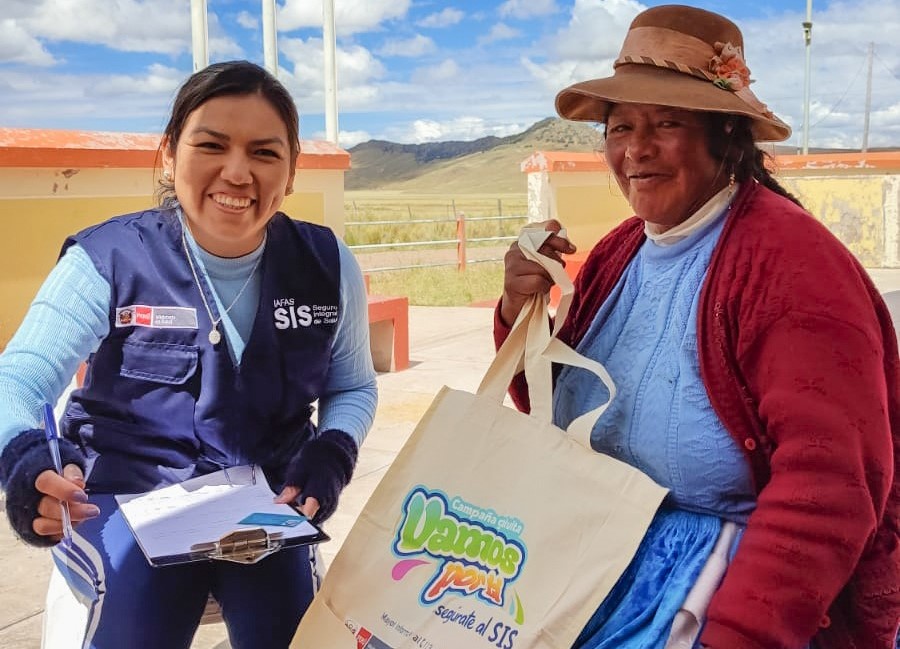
column 64, row 498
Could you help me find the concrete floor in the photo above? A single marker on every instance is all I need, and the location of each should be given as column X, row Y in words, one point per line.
column 448, row 346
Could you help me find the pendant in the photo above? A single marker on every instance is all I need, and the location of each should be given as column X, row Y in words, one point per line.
column 214, row 336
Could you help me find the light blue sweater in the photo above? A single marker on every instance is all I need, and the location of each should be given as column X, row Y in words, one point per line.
column 69, row 318
column 661, row 420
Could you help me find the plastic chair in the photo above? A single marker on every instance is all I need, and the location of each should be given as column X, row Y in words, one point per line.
column 892, row 299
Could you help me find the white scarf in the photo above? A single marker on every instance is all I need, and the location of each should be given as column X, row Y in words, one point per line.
column 709, row 211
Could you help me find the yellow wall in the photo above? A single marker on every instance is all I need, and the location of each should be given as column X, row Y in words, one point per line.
column 590, row 211
column 857, row 196
column 855, row 209
column 40, row 207
column 306, row 206
column 588, row 203
column 318, row 197
column 33, row 233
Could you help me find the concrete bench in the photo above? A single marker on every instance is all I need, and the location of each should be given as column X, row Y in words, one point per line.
column 389, row 332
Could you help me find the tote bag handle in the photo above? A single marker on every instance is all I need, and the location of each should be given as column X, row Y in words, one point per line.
column 533, row 347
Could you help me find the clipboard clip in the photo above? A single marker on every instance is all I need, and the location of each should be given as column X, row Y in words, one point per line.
column 242, row 546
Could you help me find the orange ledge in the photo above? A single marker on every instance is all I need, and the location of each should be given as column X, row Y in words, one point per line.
column 565, row 161
column 554, row 161
column 825, row 161
column 22, row 147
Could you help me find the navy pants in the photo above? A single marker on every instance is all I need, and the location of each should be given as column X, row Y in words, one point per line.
column 133, row 604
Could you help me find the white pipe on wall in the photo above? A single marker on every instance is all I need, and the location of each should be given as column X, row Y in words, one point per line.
column 807, row 37
column 199, row 34
column 270, row 36
column 328, row 45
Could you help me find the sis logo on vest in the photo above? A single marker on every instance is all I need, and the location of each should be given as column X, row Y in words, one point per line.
column 288, row 315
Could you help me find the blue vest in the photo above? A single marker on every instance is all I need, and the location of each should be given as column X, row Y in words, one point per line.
column 160, row 403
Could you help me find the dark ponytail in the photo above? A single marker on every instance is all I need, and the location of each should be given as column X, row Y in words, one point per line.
column 731, row 141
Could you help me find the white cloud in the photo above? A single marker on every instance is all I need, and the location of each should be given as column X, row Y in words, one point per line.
column 358, row 72
column 426, row 130
column 499, row 32
column 18, row 46
column 527, row 8
column 355, row 64
column 587, row 46
column 459, row 128
column 161, row 26
column 127, row 26
column 348, row 139
column 775, row 54
column 158, row 81
column 350, row 16
column 446, row 18
column 596, row 29
column 99, row 102
column 222, row 47
column 499, row 84
column 410, row 47
column 497, row 99
column 443, row 71
column 555, row 75
column 247, row 20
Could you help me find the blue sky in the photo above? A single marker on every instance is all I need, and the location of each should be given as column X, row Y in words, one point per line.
column 426, row 70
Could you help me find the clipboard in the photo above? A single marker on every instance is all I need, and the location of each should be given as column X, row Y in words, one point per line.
column 228, row 515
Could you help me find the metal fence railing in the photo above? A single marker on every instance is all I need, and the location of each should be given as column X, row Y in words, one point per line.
column 466, row 245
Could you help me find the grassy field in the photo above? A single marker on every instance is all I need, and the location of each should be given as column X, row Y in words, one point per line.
column 441, row 285
column 401, row 208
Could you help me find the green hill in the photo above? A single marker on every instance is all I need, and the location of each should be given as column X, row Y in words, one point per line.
column 486, row 165
column 490, row 165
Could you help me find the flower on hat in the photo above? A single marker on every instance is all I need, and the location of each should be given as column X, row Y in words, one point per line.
column 730, row 72
column 729, row 69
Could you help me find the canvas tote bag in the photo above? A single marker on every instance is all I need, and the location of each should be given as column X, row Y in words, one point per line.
column 492, row 528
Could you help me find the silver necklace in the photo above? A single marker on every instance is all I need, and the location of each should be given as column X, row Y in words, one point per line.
column 214, row 336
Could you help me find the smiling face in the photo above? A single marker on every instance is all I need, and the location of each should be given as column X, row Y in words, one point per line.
column 661, row 160
column 232, row 167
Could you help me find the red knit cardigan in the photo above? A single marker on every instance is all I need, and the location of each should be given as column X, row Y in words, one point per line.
column 799, row 359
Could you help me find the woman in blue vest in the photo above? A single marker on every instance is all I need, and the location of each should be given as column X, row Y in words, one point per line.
column 211, row 324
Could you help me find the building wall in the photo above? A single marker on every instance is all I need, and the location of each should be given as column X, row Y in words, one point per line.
column 605, row 205
column 860, row 209
column 55, row 183
column 857, row 196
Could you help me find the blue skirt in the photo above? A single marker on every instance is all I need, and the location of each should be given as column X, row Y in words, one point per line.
column 638, row 612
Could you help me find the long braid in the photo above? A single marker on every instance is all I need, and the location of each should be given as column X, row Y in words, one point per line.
column 761, row 173
column 731, row 141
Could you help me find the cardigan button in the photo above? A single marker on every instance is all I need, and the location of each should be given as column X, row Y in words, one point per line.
column 825, row 623
column 750, row 444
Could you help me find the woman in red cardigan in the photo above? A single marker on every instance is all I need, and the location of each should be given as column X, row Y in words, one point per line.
column 756, row 366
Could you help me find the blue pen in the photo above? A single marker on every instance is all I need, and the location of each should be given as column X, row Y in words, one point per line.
column 52, row 436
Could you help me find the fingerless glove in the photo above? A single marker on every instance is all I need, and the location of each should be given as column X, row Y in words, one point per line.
column 322, row 468
column 22, row 460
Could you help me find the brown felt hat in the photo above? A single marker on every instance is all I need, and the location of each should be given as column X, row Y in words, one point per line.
column 678, row 56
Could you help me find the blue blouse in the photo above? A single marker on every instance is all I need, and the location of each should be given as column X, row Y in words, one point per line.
column 70, row 316
column 661, row 420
